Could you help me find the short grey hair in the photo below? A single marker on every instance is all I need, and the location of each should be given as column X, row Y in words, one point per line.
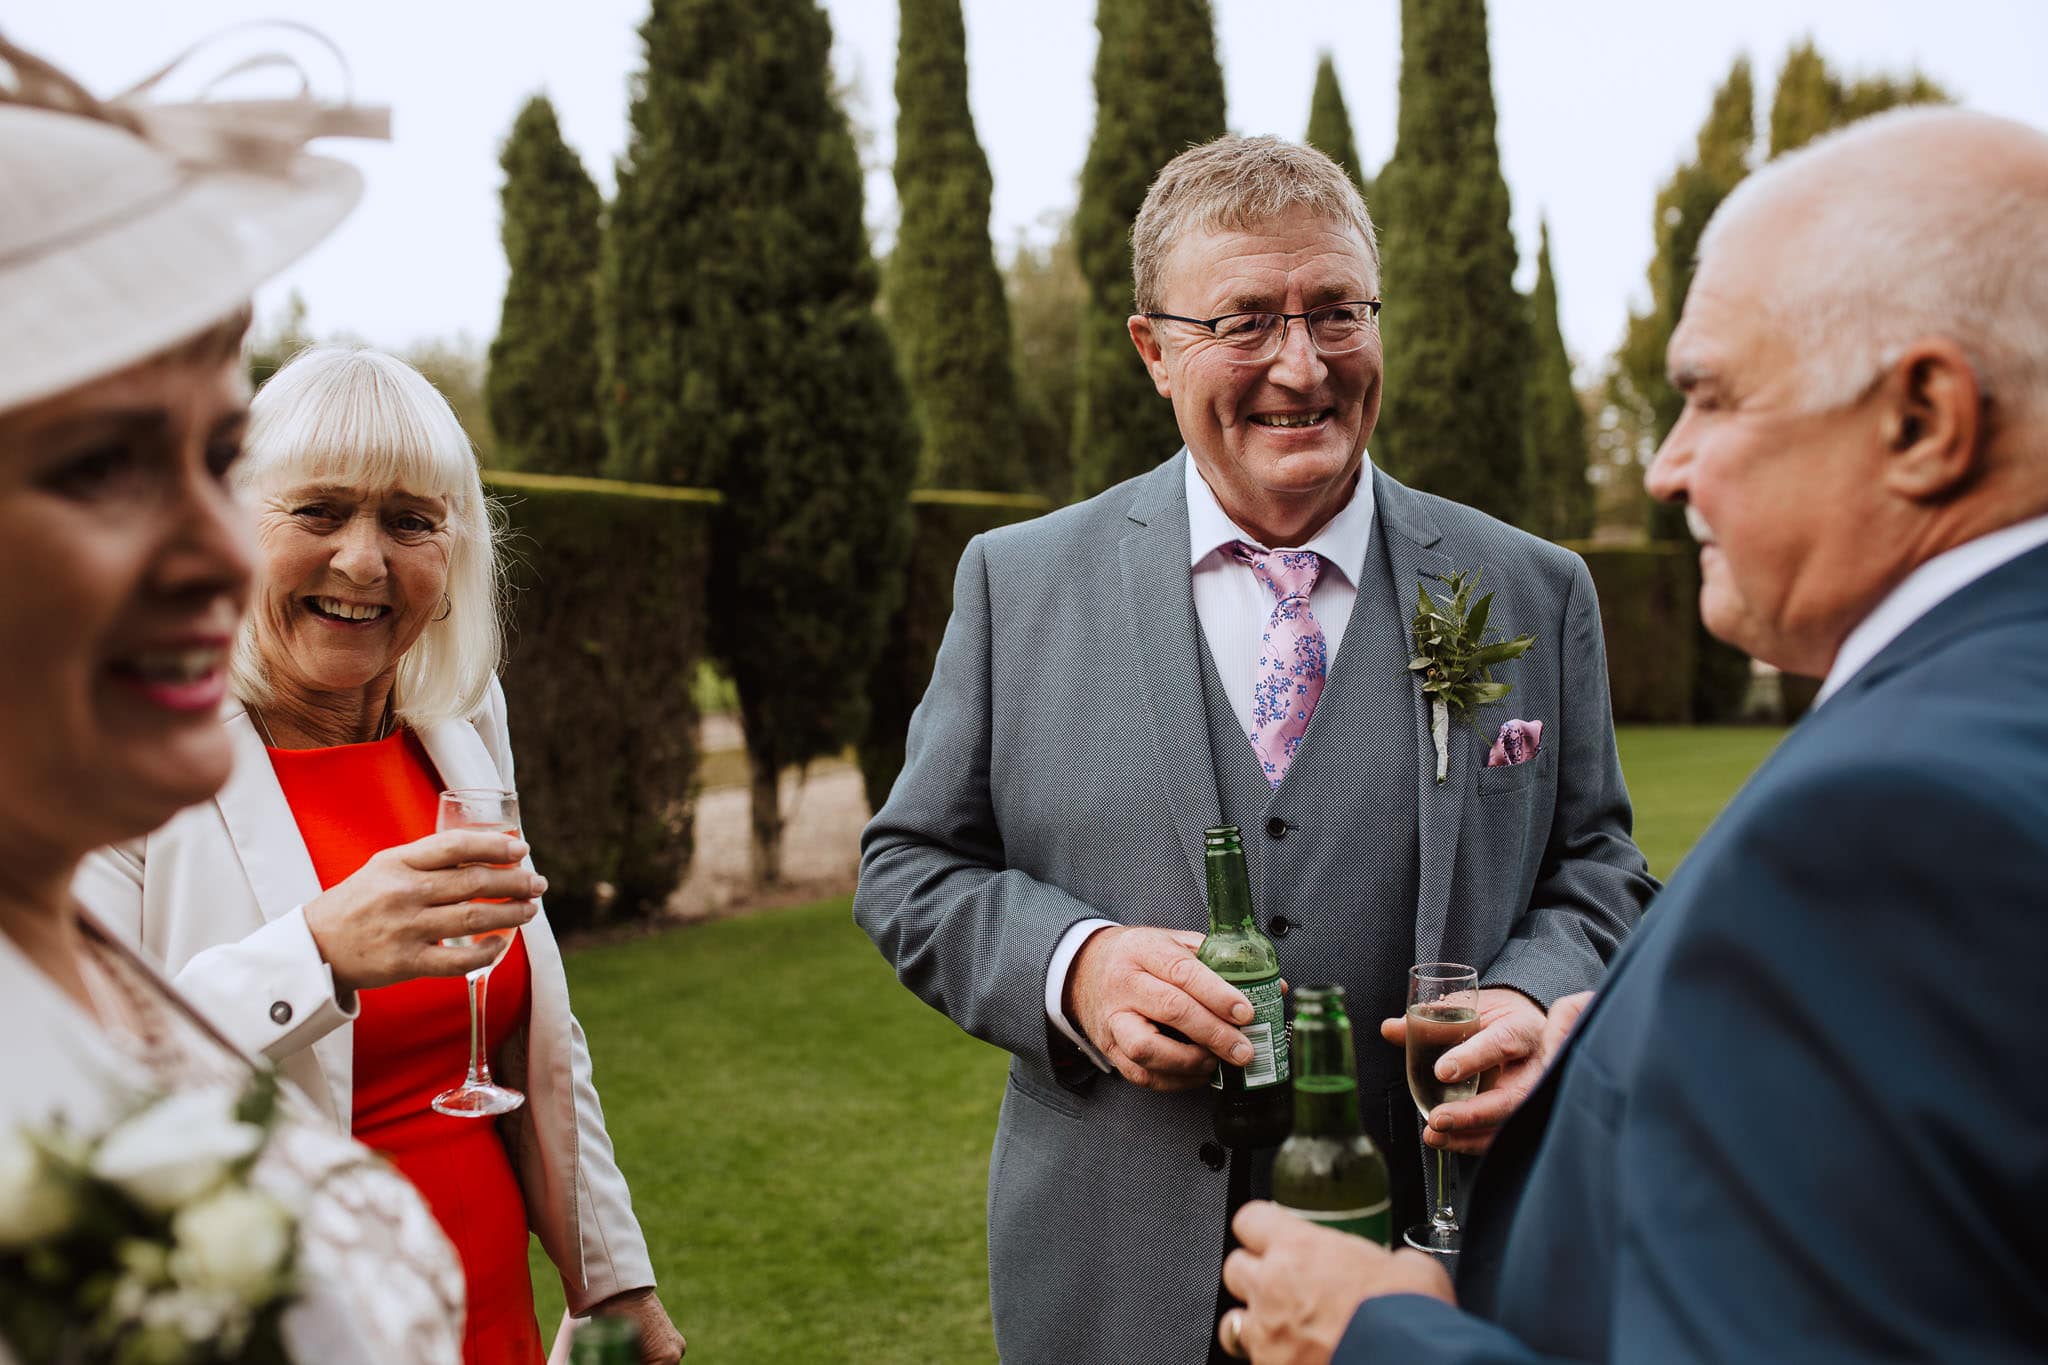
column 1883, row 262
column 364, row 419
column 1238, row 184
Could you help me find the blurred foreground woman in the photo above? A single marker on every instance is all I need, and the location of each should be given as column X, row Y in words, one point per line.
column 131, row 239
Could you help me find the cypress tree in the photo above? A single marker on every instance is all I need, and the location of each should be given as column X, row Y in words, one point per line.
column 1560, row 498
column 1046, row 292
column 742, row 351
column 1811, row 99
column 1807, row 101
column 1456, row 343
column 541, row 388
column 947, row 313
column 1684, row 204
column 1329, row 125
column 1158, row 91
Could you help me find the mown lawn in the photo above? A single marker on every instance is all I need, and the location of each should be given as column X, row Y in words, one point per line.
column 1679, row 778
column 808, row 1143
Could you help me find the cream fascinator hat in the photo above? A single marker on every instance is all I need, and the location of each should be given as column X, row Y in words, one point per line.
column 128, row 225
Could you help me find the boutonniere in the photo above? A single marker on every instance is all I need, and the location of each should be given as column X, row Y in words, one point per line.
column 1453, row 656
column 150, row 1242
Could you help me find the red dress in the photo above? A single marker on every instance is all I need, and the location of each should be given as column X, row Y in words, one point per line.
column 412, row 1040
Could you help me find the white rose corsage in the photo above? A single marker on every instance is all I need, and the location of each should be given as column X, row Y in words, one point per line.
column 148, row 1244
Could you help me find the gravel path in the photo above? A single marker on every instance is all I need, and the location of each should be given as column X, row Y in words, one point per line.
column 823, row 812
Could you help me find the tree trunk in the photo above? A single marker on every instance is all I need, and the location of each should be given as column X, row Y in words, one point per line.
column 767, row 820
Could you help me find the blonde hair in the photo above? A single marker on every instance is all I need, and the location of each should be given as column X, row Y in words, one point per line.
column 364, row 419
column 1238, row 184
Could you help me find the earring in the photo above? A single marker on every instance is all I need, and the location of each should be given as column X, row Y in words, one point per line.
column 446, row 607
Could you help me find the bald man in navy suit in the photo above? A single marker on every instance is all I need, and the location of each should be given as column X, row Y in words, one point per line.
column 1805, row 1119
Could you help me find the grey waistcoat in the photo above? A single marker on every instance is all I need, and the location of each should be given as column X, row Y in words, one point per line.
column 1370, row 695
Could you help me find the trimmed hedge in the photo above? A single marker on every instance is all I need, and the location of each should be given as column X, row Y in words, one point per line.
column 1649, row 614
column 607, row 626
column 1720, row 679
column 942, row 522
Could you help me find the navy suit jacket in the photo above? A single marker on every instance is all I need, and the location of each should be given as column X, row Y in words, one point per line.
column 1807, row 1117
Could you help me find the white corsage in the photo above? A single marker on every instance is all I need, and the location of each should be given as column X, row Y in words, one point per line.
column 149, row 1244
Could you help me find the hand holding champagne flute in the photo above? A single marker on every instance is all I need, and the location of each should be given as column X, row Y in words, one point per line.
column 493, row 811
column 1443, row 1011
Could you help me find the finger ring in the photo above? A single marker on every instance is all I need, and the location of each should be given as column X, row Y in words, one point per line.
column 1227, row 1333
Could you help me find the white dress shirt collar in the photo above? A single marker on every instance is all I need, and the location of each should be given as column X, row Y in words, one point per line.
column 1922, row 590
column 1342, row 542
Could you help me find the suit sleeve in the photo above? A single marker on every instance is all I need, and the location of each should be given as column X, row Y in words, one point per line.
column 1593, row 882
column 614, row 1250
column 970, row 937
column 1833, row 1150
column 1403, row 1328
column 270, row 992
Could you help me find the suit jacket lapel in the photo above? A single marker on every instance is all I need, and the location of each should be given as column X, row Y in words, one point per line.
column 260, row 822
column 1412, row 537
column 459, row 755
column 1163, row 632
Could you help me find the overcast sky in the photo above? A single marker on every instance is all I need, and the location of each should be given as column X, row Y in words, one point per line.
column 1597, row 101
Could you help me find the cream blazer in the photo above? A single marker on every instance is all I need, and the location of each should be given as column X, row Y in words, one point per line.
column 218, row 897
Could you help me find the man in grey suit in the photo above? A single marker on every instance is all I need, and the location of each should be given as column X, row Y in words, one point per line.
column 1101, row 697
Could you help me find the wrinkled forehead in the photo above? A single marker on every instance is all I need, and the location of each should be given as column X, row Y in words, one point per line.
column 164, row 396
column 1236, row 265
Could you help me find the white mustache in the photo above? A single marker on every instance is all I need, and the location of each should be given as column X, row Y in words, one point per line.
column 1697, row 524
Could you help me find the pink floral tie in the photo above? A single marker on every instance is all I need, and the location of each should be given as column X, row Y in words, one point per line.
column 1293, row 655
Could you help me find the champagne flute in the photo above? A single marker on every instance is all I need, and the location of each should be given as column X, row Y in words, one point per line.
column 478, row 1096
column 1443, row 1011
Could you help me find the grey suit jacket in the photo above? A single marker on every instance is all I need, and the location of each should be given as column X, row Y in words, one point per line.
column 1059, row 767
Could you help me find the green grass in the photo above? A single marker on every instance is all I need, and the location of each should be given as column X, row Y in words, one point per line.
column 1679, row 778
column 807, row 1143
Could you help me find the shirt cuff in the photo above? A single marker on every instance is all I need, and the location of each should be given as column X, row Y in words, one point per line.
column 1056, row 987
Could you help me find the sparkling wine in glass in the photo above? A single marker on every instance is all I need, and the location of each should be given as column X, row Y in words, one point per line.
column 1443, row 1011
column 496, row 812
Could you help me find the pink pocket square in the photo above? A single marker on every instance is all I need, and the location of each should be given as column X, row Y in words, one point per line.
column 1519, row 740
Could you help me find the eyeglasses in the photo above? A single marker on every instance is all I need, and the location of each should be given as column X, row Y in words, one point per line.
column 1253, row 338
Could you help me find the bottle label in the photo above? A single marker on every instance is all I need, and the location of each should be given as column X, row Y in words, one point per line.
column 1267, row 1033
column 1370, row 1222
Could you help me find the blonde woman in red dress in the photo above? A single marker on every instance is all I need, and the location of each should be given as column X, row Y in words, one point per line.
column 304, row 907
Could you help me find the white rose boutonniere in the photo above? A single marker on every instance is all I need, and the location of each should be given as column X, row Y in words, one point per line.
column 1455, row 658
column 150, row 1242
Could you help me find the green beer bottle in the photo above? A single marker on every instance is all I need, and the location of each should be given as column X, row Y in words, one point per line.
column 1254, row 1104
column 1328, row 1171
column 605, row 1340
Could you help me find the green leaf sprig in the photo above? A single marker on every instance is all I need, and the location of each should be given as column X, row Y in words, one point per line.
column 1452, row 652
column 1454, row 656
